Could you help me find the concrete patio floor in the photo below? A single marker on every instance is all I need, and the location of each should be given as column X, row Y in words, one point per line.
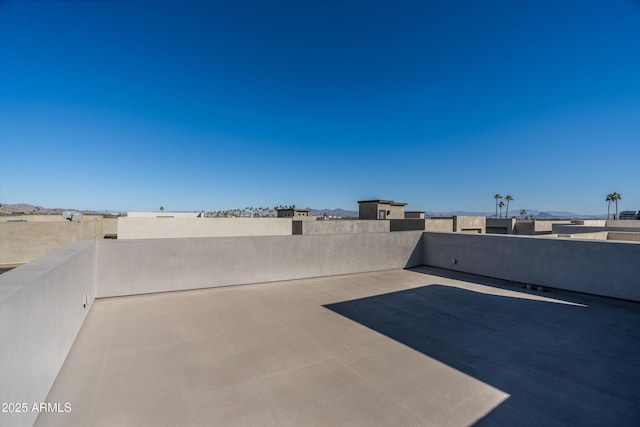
column 420, row 347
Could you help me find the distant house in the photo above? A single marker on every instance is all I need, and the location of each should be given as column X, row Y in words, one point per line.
column 630, row 215
column 380, row 209
column 293, row 213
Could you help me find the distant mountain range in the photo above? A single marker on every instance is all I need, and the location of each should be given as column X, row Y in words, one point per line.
column 342, row 213
column 25, row 208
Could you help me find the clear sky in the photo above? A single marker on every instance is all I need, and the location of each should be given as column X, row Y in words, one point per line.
column 130, row 105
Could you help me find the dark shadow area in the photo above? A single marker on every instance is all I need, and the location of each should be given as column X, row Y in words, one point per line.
column 469, row 277
column 561, row 364
column 415, row 259
column 559, row 294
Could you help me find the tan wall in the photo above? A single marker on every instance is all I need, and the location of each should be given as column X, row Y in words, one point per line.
column 530, row 227
column 41, row 311
column 623, row 226
column 428, row 224
column 162, row 213
column 598, row 235
column 599, row 267
column 623, row 223
column 340, row 226
column 508, row 226
column 370, row 210
column 629, row 237
column 159, row 228
column 438, row 224
column 44, row 218
column 592, row 222
column 129, row 267
column 543, row 226
column 25, row 241
column 469, row 224
column 110, row 226
column 397, row 212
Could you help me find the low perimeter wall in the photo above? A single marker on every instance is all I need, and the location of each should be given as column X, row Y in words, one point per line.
column 341, row 226
column 157, row 228
column 22, row 242
column 128, row 267
column 41, row 312
column 607, row 268
column 577, row 229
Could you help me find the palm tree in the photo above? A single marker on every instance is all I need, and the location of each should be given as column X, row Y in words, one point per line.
column 523, row 213
column 508, row 198
column 616, row 197
column 501, row 204
column 609, row 199
column 497, row 196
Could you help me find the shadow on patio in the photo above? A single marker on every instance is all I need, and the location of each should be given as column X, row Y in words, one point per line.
column 561, row 364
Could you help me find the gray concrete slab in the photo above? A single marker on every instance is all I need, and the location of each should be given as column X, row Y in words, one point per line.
column 399, row 347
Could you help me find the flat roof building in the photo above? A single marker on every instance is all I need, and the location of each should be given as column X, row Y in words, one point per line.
column 633, row 215
column 293, row 212
column 380, row 209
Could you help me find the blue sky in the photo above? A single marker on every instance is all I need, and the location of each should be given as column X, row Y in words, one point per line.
column 129, row 105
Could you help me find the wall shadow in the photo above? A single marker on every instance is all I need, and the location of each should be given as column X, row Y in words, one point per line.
column 561, row 364
column 415, row 259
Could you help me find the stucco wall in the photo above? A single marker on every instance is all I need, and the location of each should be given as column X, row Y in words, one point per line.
column 41, row 313
column 546, row 226
column 428, row 224
column 473, row 224
column 25, row 241
column 340, row 226
column 619, row 235
column 530, row 227
column 573, row 229
column 368, row 210
column 158, row 228
column 397, row 212
column 598, row 235
column 162, row 214
column 45, row 218
column 406, row 224
column 413, row 215
column 609, row 223
column 507, row 226
column 127, row 267
column 439, row 224
column 623, row 223
column 110, row 226
column 606, row 268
